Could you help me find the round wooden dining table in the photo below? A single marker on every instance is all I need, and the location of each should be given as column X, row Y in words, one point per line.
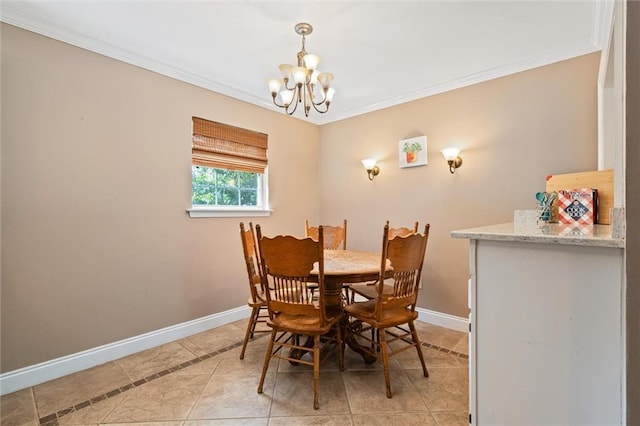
column 344, row 267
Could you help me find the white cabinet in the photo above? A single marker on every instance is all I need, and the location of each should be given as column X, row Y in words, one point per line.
column 547, row 336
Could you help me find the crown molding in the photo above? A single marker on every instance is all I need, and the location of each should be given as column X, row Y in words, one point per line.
column 601, row 32
column 446, row 86
column 51, row 30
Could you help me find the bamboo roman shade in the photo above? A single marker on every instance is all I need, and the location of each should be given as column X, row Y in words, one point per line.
column 227, row 147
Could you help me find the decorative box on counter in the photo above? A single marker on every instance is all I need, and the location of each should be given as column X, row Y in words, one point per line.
column 601, row 180
column 578, row 206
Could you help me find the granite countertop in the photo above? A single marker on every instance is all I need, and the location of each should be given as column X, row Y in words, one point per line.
column 552, row 233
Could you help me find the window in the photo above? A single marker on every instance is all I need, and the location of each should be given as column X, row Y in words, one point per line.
column 220, row 187
column 229, row 171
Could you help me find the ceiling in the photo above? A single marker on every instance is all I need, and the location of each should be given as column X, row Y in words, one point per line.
column 381, row 53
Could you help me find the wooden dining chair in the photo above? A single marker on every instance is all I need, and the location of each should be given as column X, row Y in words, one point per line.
column 335, row 237
column 389, row 314
column 402, row 231
column 257, row 299
column 369, row 290
column 287, row 265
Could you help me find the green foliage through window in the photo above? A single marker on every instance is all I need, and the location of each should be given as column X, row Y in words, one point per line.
column 220, row 187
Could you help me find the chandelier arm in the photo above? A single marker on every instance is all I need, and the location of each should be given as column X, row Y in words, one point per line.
column 310, row 87
column 286, row 85
column 294, row 100
column 319, row 103
column 322, row 101
column 276, row 103
column 318, row 110
column 292, row 111
column 286, row 107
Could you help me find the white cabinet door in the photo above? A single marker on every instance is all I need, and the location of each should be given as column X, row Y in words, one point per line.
column 541, row 351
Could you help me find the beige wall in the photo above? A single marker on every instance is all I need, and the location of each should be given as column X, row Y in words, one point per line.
column 513, row 131
column 96, row 243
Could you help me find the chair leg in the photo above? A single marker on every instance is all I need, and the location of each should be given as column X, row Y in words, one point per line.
column 267, row 359
column 253, row 319
column 375, row 340
column 316, row 370
column 385, row 359
column 340, row 344
column 374, row 347
column 414, row 335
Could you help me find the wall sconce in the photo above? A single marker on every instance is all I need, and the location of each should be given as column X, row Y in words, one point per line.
column 452, row 157
column 372, row 169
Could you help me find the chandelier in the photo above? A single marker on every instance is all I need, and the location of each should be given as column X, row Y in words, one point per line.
column 303, row 84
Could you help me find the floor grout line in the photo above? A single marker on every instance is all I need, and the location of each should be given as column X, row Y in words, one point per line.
column 445, row 350
column 53, row 419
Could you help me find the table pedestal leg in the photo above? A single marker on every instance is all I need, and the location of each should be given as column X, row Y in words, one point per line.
column 333, row 299
column 351, row 341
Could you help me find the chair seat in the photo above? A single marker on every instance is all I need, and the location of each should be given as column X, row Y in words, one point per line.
column 301, row 324
column 370, row 290
column 390, row 317
column 257, row 304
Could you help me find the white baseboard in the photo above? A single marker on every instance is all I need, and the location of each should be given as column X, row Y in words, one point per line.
column 35, row 374
column 444, row 320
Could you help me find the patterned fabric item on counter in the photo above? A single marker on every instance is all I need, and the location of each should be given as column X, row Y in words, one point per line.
column 578, row 206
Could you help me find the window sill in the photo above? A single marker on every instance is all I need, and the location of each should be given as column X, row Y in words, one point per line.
column 197, row 212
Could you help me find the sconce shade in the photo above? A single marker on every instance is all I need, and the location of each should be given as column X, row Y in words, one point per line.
column 369, row 163
column 372, row 169
column 450, row 154
column 453, row 158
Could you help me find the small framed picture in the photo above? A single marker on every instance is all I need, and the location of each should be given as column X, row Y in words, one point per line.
column 412, row 152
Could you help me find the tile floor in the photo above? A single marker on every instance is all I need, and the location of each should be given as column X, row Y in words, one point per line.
column 199, row 380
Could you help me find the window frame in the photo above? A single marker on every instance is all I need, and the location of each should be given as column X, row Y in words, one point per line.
column 203, row 210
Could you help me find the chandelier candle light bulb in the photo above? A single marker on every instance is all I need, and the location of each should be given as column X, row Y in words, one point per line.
column 309, row 87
